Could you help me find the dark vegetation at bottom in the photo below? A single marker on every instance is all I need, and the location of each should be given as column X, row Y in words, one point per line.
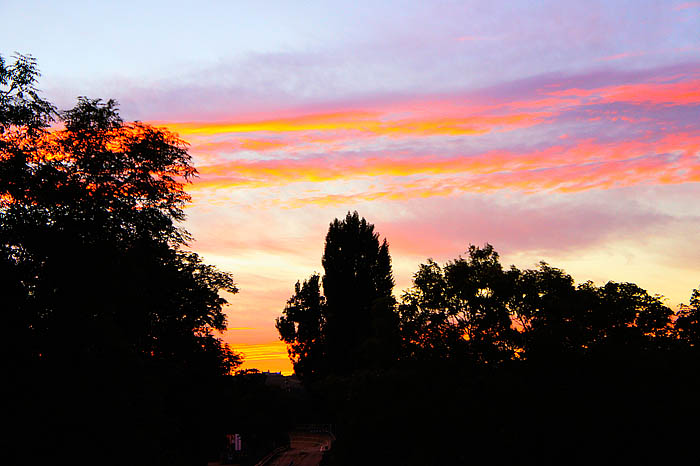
column 140, row 417
column 599, row 410
column 603, row 410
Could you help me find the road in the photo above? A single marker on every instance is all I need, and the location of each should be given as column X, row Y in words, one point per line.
column 304, row 450
column 294, row 457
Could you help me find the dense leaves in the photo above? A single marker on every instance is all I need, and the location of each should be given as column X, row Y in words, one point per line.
column 687, row 326
column 474, row 308
column 21, row 107
column 302, row 326
column 97, row 287
column 352, row 325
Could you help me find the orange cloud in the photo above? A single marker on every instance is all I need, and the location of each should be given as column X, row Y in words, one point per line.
column 330, row 132
column 255, row 173
column 568, row 179
column 408, row 141
column 260, row 145
column 371, row 123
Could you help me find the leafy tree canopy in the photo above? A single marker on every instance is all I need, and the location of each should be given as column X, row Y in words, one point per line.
column 473, row 307
column 687, row 326
column 88, row 226
column 97, row 286
column 352, row 324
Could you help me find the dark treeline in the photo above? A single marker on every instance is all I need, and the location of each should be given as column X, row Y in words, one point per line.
column 478, row 363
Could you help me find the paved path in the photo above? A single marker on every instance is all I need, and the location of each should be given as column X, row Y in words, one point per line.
column 294, row 457
column 304, row 450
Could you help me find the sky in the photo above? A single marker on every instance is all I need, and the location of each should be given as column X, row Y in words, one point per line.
column 562, row 131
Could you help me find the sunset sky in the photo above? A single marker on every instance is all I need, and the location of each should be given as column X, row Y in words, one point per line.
column 555, row 130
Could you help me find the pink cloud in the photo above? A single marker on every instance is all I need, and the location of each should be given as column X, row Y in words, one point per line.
column 623, row 55
column 447, row 227
column 686, row 6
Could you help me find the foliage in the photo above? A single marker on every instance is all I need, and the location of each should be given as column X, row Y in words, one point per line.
column 20, row 103
column 357, row 283
column 474, row 308
column 687, row 328
column 352, row 325
column 302, row 327
column 93, row 270
column 460, row 309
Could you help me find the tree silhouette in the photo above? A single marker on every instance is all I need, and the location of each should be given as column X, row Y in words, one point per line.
column 354, row 325
column 687, row 326
column 357, row 283
column 474, row 308
column 461, row 308
column 20, row 103
column 302, row 327
column 97, row 287
column 428, row 328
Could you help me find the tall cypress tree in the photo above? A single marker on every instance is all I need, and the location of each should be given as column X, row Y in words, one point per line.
column 357, row 283
column 357, row 326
